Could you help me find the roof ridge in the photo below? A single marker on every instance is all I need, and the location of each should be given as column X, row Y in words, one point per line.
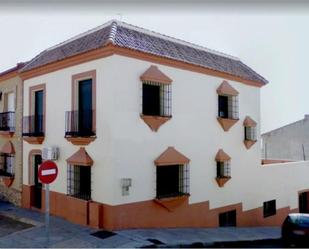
column 177, row 40
column 82, row 34
column 113, row 32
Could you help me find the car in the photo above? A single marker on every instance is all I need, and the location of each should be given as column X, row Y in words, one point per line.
column 295, row 229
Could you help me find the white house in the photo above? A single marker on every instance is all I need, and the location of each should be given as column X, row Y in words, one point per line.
column 152, row 131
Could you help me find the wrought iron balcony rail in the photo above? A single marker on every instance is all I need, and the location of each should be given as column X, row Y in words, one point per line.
column 33, row 126
column 7, row 121
column 79, row 123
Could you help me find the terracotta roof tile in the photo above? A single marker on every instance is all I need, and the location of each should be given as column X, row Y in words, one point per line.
column 138, row 39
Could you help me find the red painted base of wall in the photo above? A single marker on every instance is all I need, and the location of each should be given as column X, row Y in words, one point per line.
column 150, row 214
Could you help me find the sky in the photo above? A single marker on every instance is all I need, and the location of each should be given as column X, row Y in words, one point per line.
column 271, row 37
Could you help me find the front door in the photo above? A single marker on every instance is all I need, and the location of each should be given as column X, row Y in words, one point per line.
column 38, row 113
column 85, row 108
column 303, row 202
column 37, row 198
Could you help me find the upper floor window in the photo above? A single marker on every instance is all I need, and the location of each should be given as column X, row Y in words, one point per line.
column 228, row 110
column 250, row 136
column 223, row 167
column 34, row 124
column 81, row 120
column 156, row 99
column 172, row 174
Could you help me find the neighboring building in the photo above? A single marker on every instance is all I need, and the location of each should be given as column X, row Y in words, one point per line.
column 11, row 114
column 290, row 142
column 152, row 132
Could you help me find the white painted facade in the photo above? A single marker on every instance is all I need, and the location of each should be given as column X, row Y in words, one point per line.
column 125, row 146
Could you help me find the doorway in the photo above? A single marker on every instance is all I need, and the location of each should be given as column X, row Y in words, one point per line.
column 37, row 188
column 38, row 113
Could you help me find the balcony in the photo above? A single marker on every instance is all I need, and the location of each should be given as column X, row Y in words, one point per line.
column 7, row 123
column 79, row 127
column 33, row 129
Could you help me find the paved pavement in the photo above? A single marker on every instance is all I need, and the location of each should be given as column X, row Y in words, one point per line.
column 64, row 234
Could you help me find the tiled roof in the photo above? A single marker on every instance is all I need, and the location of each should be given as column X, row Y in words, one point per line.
column 13, row 69
column 131, row 37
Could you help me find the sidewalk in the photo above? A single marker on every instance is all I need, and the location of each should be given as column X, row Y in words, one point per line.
column 65, row 234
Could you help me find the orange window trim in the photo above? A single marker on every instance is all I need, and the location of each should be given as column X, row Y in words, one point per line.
column 84, row 76
column 110, row 49
column 171, row 157
column 222, row 156
column 153, row 74
column 80, row 158
column 8, row 148
column 32, row 90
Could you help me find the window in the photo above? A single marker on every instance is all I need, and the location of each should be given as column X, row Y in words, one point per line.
column 228, row 107
column 250, row 133
column 7, row 164
column 172, row 180
column 156, row 99
column 79, row 181
column 269, row 208
column 303, row 202
column 223, row 169
column 34, row 125
column 227, row 219
column 80, row 121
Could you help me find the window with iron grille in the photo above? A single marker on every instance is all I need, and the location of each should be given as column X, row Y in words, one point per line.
column 7, row 164
column 223, row 169
column 250, row 133
column 79, row 181
column 269, row 208
column 228, row 106
column 156, row 99
column 172, row 181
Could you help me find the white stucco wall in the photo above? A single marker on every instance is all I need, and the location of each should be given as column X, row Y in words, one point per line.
column 126, row 147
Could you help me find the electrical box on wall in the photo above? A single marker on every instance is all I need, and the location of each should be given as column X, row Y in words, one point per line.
column 50, row 153
column 126, row 183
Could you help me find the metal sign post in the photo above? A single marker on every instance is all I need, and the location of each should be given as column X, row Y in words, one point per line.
column 48, row 172
column 47, row 214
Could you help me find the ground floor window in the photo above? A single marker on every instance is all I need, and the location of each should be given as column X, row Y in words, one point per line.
column 7, row 164
column 172, row 180
column 269, row 208
column 79, row 181
column 303, row 202
column 227, row 219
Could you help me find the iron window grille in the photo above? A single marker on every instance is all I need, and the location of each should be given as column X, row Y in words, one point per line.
column 250, row 133
column 7, row 164
column 33, row 126
column 79, row 182
column 228, row 106
column 224, row 169
column 269, row 208
column 7, row 121
column 172, row 181
column 156, row 99
column 79, row 123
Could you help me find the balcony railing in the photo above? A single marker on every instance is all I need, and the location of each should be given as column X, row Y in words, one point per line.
column 33, row 126
column 7, row 121
column 79, row 123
